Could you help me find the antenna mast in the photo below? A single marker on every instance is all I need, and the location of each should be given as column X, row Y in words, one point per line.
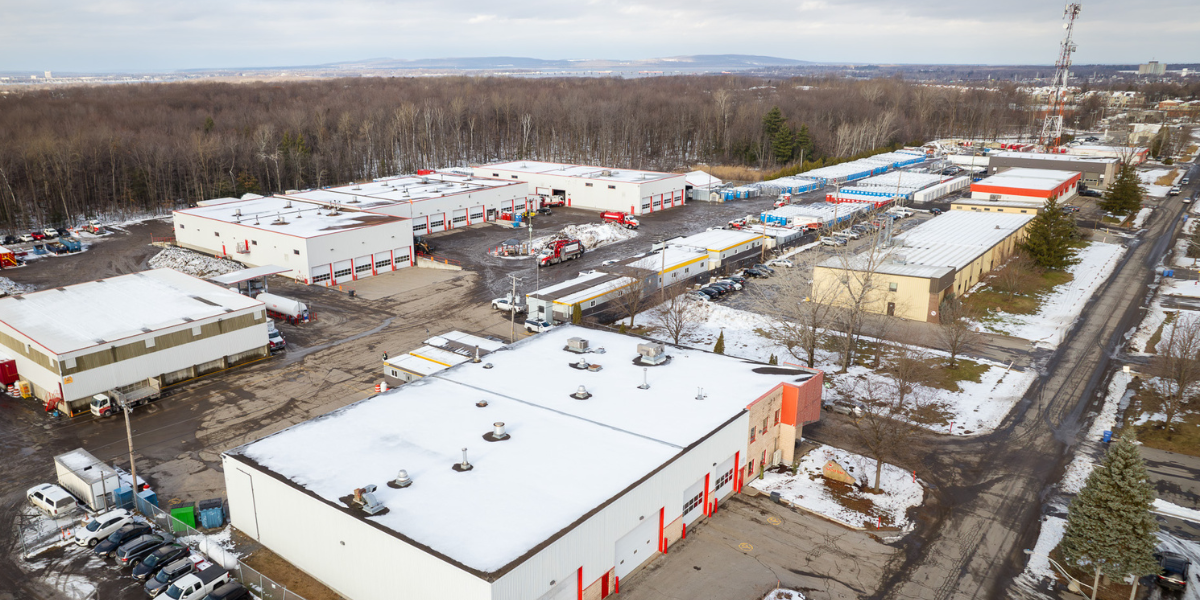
column 1052, row 127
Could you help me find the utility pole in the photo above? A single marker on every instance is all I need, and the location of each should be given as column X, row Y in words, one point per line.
column 512, row 301
column 132, row 465
column 662, row 273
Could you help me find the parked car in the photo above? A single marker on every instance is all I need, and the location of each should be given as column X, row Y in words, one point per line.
column 134, row 550
column 935, row 211
column 102, row 526
column 275, row 341
column 537, row 325
column 738, row 279
column 1174, row 191
column 709, row 293
column 610, row 262
column 37, row 236
column 1185, row 181
column 171, row 573
column 196, row 586
column 159, row 558
column 50, row 233
column 1071, row 208
column 1091, row 193
column 723, row 286
column 26, row 238
column 843, row 407
column 544, row 211
column 699, row 295
column 832, row 241
column 229, row 591
column 506, row 304
column 63, row 232
column 1174, row 572
column 736, row 285
column 762, row 267
column 51, row 499
column 847, row 233
column 108, row 546
column 752, row 272
column 10, row 240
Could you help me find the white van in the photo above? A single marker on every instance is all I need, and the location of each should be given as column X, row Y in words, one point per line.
column 101, row 526
column 51, row 499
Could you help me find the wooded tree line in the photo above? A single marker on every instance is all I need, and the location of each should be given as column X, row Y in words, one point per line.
column 71, row 153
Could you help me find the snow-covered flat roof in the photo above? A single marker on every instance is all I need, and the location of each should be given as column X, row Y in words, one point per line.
column 583, row 280
column 415, row 364
column 456, row 340
column 601, row 288
column 1071, row 158
column 716, row 240
column 701, row 179
column 390, row 191
column 289, row 215
column 565, row 458
column 72, row 318
column 1028, row 179
column 579, row 171
column 671, row 256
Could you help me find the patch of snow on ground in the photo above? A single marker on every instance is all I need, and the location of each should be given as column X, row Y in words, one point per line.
column 1061, row 307
column 1092, row 450
column 1048, row 539
column 782, row 594
column 1163, row 507
column 9, row 286
column 1149, row 177
column 1179, row 287
column 807, row 488
column 592, row 235
column 193, row 263
column 216, row 546
column 1141, row 217
column 799, row 249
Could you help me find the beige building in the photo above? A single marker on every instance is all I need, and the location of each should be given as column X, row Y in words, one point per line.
column 940, row 258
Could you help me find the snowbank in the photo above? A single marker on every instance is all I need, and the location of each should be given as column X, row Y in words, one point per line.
column 1091, row 451
column 799, row 249
column 218, row 546
column 593, row 235
column 1163, row 507
column 8, row 286
column 782, row 594
column 1179, row 287
column 1141, row 217
column 1048, row 539
column 1149, row 177
column 807, row 488
column 193, row 263
column 1061, row 307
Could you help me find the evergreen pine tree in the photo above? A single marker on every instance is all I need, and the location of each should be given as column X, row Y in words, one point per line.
column 773, row 122
column 772, row 360
column 783, row 146
column 1109, row 526
column 720, row 347
column 623, row 329
column 576, row 315
column 804, row 143
column 1048, row 241
column 1124, row 195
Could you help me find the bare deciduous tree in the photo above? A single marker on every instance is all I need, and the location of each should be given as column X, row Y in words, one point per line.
column 631, row 299
column 798, row 312
column 1176, row 368
column 1015, row 276
column 885, row 427
column 679, row 315
column 954, row 327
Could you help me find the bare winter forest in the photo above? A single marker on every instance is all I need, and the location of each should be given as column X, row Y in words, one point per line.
column 70, row 153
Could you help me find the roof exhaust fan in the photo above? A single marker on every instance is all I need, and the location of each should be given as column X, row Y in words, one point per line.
column 401, row 481
column 497, row 434
column 581, row 394
column 365, row 497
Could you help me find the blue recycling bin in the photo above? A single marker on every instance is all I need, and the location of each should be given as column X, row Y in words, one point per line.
column 124, row 497
column 145, row 499
column 1107, row 437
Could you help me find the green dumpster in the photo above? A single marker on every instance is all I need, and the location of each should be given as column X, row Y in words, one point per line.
column 183, row 516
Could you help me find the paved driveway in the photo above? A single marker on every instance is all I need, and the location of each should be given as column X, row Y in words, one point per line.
column 752, row 545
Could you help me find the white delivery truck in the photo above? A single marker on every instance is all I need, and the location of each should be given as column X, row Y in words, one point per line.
column 90, row 480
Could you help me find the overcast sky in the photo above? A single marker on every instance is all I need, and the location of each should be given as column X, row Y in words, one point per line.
column 105, row 35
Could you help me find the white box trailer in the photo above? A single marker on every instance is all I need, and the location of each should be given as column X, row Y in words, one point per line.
column 90, row 480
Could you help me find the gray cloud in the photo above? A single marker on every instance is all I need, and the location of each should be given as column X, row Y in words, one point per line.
column 71, row 35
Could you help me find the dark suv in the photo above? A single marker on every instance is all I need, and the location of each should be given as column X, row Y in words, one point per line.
column 134, row 550
column 161, row 557
column 109, row 546
column 167, row 575
column 1175, row 568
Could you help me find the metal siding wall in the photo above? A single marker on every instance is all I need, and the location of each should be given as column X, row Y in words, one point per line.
column 592, row 544
column 351, row 557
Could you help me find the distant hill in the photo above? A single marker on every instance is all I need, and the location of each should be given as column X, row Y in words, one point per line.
column 489, row 63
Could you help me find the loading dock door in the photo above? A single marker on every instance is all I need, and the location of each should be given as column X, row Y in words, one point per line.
column 343, row 271
column 321, row 275
column 635, row 547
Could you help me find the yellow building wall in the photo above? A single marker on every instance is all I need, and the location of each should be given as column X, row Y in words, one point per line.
column 994, row 209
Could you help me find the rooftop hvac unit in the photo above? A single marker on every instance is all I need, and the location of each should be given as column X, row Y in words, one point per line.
column 652, row 353
column 606, row 173
column 577, row 344
column 356, row 187
column 365, row 497
column 900, row 259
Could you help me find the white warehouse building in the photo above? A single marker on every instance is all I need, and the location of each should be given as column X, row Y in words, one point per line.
column 318, row 244
column 599, row 188
column 474, row 483
column 146, row 329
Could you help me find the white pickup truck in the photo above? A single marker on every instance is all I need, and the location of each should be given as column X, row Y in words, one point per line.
column 506, row 304
column 198, row 585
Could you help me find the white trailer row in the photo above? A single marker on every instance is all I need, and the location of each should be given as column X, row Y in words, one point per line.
column 942, row 189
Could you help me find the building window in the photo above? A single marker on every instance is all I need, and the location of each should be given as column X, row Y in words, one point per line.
column 459, row 219
column 514, row 176
column 342, row 273
column 437, row 223
column 777, row 416
column 387, row 262
column 254, row 242
column 181, row 226
column 296, row 252
column 422, row 226
column 587, row 185
column 724, row 479
column 217, row 233
column 320, row 278
column 753, row 434
column 363, row 267
column 592, row 303
column 764, row 426
column 693, row 503
column 495, row 174
column 892, row 287
column 402, row 259
column 1023, row 211
column 612, row 187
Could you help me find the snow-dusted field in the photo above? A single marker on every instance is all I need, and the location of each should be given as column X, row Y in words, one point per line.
column 977, row 408
column 807, row 488
column 1149, row 177
column 193, row 263
column 1061, row 307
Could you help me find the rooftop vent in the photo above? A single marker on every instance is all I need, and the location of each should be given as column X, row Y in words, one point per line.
column 356, row 187
column 606, row 173
column 577, row 345
column 401, row 481
column 288, row 204
column 355, row 200
column 476, row 359
column 700, row 395
column 581, row 394
column 464, row 465
column 645, row 382
column 651, row 353
column 497, row 434
column 482, row 404
column 237, row 212
column 365, row 497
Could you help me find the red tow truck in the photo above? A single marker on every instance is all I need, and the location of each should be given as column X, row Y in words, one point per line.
column 558, row 251
column 620, row 218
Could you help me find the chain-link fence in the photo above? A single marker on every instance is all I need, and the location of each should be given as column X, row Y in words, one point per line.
column 261, row 585
column 35, row 531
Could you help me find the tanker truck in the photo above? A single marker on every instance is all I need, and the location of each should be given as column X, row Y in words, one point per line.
column 281, row 307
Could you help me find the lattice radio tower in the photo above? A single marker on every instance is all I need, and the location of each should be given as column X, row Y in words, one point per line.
column 1052, row 127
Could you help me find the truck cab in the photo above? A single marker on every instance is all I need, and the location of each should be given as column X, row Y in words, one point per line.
column 275, row 341
column 103, row 406
column 198, row 585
